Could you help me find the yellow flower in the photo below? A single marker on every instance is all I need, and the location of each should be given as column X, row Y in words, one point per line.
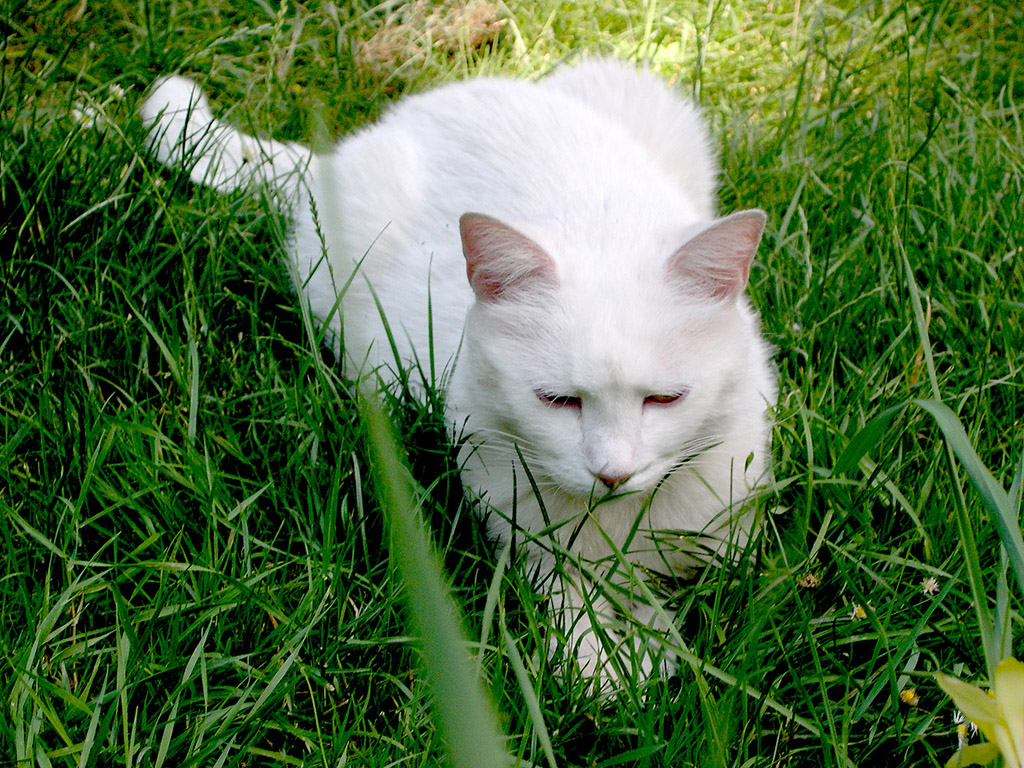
column 909, row 697
column 999, row 714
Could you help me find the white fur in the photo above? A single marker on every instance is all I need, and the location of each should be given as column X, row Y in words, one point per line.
column 603, row 275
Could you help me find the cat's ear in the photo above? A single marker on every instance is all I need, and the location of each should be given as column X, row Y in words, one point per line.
column 717, row 261
column 501, row 262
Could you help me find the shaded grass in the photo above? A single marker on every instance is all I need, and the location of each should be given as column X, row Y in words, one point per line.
column 194, row 568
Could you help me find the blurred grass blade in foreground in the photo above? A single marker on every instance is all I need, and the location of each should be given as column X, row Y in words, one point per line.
column 463, row 715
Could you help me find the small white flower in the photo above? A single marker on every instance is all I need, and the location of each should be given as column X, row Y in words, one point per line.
column 930, row 585
column 84, row 114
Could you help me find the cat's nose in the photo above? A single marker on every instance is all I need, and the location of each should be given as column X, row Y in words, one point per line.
column 612, row 481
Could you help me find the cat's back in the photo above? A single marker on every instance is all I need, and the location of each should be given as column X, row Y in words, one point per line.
column 524, row 150
column 496, row 142
column 670, row 128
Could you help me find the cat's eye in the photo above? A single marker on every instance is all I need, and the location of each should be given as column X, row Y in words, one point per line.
column 558, row 401
column 675, row 397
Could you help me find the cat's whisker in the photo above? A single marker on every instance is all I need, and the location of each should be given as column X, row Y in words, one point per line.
column 504, row 435
column 507, row 451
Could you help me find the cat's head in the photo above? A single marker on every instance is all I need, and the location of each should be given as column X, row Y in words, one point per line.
column 607, row 377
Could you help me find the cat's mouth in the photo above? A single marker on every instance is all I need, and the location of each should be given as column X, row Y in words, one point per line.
column 639, row 482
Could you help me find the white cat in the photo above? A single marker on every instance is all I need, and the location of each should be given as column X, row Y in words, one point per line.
column 552, row 247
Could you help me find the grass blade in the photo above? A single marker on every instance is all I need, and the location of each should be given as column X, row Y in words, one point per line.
column 532, row 704
column 995, row 498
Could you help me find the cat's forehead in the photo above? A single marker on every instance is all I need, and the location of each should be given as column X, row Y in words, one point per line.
column 622, row 237
column 635, row 340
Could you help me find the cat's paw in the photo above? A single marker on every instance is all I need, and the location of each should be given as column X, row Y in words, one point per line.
column 616, row 647
column 617, row 660
column 595, row 665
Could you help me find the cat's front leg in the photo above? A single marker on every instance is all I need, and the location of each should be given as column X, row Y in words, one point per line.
column 648, row 620
column 606, row 632
column 586, row 620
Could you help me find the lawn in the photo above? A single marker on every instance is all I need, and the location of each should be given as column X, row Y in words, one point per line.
column 196, row 567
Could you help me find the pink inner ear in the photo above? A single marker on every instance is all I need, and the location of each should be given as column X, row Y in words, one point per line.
column 717, row 261
column 501, row 262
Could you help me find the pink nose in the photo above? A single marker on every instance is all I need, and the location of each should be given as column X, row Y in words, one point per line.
column 613, row 481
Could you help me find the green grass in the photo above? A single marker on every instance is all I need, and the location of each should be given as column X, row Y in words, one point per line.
column 195, row 564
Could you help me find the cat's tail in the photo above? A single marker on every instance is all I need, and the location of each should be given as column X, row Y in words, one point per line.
column 183, row 131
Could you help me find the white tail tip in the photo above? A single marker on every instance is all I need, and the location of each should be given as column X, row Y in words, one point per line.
column 183, row 131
